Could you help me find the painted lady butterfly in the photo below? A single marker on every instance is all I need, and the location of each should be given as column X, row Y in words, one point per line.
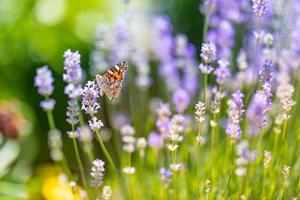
column 110, row 83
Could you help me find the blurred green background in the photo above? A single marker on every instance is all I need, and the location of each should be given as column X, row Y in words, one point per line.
column 37, row 32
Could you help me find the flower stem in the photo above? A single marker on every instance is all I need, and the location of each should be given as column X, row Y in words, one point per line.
column 50, row 120
column 105, row 151
column 205, row 87
column 79, row 163
column 230, row 168
column 63, row 162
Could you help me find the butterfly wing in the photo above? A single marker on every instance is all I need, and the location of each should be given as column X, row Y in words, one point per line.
column 110, row 83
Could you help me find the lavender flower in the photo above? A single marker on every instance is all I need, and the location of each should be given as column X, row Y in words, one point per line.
column 208, row 52
column 72, row 112
column 90, row 96
column 55, row 144
column 181, row 100
column 235, row 107
column 97, row 172
column 266, row 73
column 165, row 174
column 106, row 193
column 222, row 72
column 163, row 111
column 256, row 113
column 44, row 81
column 128, row 138
column 205, row 68
column 72, row 68
column 155, row 140
column 235, row 112
column 200, row 112
column 233, row 131
column 95, row 124
column 260, row 7
column 47, row 104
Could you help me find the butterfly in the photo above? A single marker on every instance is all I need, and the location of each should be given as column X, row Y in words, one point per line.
column 110, row 83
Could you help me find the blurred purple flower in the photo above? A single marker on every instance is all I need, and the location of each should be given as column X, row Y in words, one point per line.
column 44, row 81
column 222, row 72
column 256, row 113
column 119, row 119
column 260, row 7
column 163, row 125
column 181, row 100
column 266, row 73
column 233, row 131
column 155, row 140
column 73, row 74
column 165, row 174
column 47, row 104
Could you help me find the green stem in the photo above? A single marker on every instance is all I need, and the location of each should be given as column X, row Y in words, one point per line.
column 79, row 163
column 205, row 87
column 108, row 157
column 231, row 167
column 205, row 28
column 50, row 120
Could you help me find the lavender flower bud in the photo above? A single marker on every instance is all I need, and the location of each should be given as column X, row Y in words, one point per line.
column 106, row 192
column 128, row 138
column 155, row 140
column 129, row 170
column 267, row 158
column 90, row 96
column 260, row 7
column 208, row 52
column 95, row 124
column 200, row 112
column 222, row 72
column 55, row 144
column 165, row 175
column 44, row 81
column 97, row 172
column 233, row 131
column 48, row 104
column 72, row 112
column 205, row 68
column 181, row 100
column 286, row 171
column 266, row 73
column 72, row 68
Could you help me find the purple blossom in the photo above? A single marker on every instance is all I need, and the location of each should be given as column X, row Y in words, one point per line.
column 208, row 52
column 155, row 140
column 233, row 131
column 48, row 104
column 119, row 119
column 266, row 73
column 72, row 68
column 73, row 91
column 165, row 174
column 44, row 81
column 260, row 7
column 181, row 100
column 245, row 155
column 238, row 99
column 90, row 96
column 163, row 111
column 222, row 72
column 163, row 125
column 72, row 112
column 95, row 124
column 256, row 113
